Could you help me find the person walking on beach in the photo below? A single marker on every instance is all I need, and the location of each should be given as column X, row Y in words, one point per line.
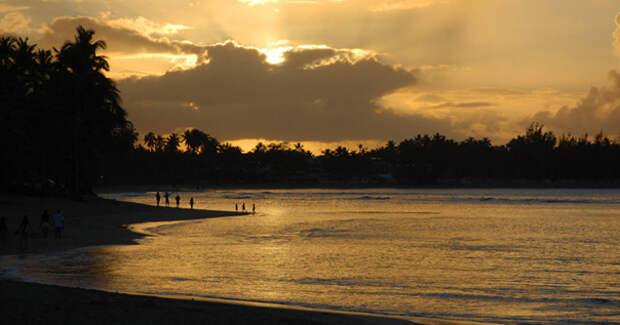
column 157, row 198
column 178, row 199
column 191, row 203
column 167, row 198
column 3, row 230
column 24, row 231
column 45, row 223
column 243, row 206
column 253, row 208
column 236, row 207
column 59, row 224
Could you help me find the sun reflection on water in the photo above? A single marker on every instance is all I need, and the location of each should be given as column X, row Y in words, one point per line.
column 453, row 258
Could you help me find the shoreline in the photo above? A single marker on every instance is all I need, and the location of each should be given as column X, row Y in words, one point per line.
column 101, row 222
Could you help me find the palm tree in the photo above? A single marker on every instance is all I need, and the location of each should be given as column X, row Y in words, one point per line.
column 208, row 144
column 160, row 143
column 193, row 139
column 93, row 99
column 150, row 141
column 172, row 143
column 7, row 47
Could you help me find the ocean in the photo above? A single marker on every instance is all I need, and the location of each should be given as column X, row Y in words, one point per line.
column 513, row 256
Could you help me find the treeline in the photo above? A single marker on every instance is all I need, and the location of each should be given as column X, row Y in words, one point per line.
column 537, row 157
column 63, row 131
column 59, row 114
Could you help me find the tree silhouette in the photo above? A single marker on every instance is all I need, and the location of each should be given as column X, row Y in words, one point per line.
column 172, row 143
column 58, row 109
column 533, row 152
column 208, row 144
column 150, row 141
column 160, row 143
column 92, row 100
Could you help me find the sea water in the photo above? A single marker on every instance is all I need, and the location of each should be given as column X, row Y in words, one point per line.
column 501, row 255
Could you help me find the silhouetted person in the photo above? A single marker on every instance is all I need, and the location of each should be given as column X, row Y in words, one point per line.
column 45, row 223
column 243, row 206
column 178, row 199
column 24, row 231
column 157, row 198
column 59, row 224
column 236, row 207
column 191, row 202
column 253, row 208
column 167, row 198
column 3, row 230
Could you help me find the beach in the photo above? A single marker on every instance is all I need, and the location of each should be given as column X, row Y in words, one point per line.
column 95, row 221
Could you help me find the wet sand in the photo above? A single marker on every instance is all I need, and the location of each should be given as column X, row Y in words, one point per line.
column 96, row 221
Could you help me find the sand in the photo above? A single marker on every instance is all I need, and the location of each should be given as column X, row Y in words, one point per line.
column 95, row 221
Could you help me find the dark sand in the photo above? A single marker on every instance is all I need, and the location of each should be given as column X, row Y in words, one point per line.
column 96, row 221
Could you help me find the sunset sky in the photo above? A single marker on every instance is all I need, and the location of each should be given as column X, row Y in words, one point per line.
column 348, row 71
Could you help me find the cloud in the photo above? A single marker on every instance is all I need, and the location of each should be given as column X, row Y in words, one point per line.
column 617, row 35
column 394, row 5
column 499, row 91
column 238, row 95
column 463, row 105
column 257, row 2
column 598, row 110
column 14, row 22
column 147, row 27
column 430, row 98
column 128, row 36
column 8, row 8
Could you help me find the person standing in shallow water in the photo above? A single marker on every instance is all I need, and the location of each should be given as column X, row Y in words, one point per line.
column 24, row 231
column 45, row 223
column 253, row 208
column 157, row 198
column 236, row 207
column 59, row 224
column 178, row 199
column 243, row 206
column 191, row 203
column 167, row 198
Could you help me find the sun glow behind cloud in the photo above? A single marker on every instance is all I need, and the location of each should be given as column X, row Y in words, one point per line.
column 485, row 88
column 275, row 55
column 257, row 2
column 404, row 5
column 149, row 64
column 146, row 27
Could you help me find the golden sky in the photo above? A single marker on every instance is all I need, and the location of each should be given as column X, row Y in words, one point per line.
column 348, row 71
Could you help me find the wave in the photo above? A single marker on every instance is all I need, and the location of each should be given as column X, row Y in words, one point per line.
column 492, row 197
column 514, row 200
column 371, row 198
column 319, row 232
column 237, row 197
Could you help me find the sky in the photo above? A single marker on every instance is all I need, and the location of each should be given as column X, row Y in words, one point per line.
column 329, row 72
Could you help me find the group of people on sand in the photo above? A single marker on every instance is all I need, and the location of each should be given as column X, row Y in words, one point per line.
column 177, row 198
column 243, row 207
column 25, row 229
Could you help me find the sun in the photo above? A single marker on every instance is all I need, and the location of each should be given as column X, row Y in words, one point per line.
column 275, row 55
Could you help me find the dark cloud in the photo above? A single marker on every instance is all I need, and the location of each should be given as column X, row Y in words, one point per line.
column 239, row 95
column 118, row 39
column 598, row 110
